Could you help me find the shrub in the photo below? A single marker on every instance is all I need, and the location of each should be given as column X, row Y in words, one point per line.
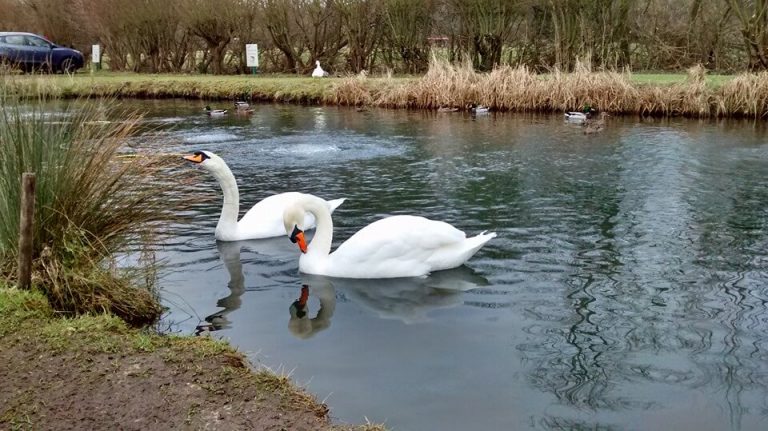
column 93, row 201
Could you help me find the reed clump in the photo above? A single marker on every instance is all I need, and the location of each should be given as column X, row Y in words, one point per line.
column 520, row 90
column 93, row 203
column 745, row 95
column 351, row 91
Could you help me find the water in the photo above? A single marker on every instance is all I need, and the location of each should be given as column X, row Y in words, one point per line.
column 626, row 289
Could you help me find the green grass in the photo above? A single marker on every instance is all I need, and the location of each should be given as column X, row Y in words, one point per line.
column 713, row 81
column 267, row 87
column 281, row 86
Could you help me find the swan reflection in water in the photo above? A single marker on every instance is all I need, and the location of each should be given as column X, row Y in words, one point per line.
column 229, row 253
column 407, row 299
column 301, row 324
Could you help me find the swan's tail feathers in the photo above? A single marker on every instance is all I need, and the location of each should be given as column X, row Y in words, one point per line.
column 332, row 205
column 461, row 252
column 474, row 243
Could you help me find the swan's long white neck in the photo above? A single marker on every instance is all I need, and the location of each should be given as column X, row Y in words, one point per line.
column 231, row 207
column 321, row 242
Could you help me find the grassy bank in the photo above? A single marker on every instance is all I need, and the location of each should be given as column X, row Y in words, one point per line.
column 505, row 89
column 94, row 372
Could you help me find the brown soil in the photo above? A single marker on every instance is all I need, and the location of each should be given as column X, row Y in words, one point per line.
column 66, row 378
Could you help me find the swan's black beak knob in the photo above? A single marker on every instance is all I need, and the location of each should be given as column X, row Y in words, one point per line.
column 297, row 237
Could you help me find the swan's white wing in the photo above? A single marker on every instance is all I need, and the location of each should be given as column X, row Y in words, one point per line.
column 398, row 246
column 265, row 219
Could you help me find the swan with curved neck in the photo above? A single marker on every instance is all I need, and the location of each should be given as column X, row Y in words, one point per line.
column 397, row 246
column 264, row 220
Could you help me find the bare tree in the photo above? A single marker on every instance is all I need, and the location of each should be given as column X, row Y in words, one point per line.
column 409, row 25
column 753, row 16
column 214, row 22
column 320, row 25
column 278, row 17
column 363, row 27
column 485, row 26
column 65, row 28
column 305, row 31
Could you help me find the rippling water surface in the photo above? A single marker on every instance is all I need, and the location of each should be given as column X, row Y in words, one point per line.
column 626, row 289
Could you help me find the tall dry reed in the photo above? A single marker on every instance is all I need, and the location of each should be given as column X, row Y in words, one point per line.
column 518, row 89
column 745, row 95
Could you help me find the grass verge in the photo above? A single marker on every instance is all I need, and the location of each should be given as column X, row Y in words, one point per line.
column 93, row 371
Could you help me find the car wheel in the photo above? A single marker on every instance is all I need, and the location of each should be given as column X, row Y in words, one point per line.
column 67, row 65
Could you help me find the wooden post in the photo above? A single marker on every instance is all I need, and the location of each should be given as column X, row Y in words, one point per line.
column 26, row 232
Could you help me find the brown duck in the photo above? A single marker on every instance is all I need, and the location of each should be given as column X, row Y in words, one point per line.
column 594, row 126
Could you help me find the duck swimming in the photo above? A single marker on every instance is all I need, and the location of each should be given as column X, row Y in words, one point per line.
column 580, row 117
column 478, row 109
column 215, row 112
column 594, row 126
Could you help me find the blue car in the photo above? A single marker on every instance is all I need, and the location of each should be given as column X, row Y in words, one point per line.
column 32, row 52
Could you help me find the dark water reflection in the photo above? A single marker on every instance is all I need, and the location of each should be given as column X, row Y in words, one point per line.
column 627, row 287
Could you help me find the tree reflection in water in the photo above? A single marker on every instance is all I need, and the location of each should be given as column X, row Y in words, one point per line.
column 661, row 294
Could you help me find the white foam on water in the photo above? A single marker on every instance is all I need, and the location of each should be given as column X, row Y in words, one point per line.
column 207, row 138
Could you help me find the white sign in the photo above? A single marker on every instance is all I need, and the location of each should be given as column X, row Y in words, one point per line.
column 95, row 54
column 251, row 55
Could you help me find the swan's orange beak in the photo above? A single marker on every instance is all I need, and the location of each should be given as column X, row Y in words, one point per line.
column 297, row 237
column 195, row 158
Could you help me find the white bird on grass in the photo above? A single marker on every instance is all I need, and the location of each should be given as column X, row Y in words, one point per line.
column 318, row 72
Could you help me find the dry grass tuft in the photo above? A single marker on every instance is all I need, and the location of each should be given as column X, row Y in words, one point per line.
column 745, row 95
column 351, row 91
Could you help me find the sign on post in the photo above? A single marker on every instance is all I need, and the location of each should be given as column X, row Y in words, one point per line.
column 96, row 56
column 252, row 56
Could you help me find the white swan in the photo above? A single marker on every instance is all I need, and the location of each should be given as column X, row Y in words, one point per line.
column 397, row 246
column 318, row 72
column 264, row 220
